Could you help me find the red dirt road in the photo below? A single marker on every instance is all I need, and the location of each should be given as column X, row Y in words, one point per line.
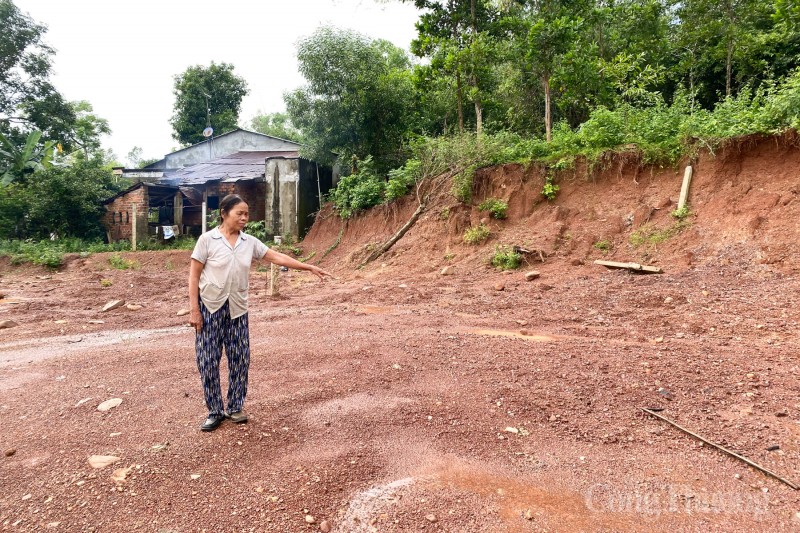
column 396, row 399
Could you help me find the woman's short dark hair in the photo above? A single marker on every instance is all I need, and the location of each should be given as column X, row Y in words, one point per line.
column 228, row 203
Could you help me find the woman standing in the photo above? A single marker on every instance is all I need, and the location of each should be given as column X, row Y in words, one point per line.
column 218, row 285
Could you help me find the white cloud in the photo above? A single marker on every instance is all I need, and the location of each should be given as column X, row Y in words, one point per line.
column 122, row 56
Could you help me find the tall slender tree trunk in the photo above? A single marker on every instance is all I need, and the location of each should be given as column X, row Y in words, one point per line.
column 730, row 11
column 460, row 98
column 548, row 120
column 478, row 116
column 728, row 66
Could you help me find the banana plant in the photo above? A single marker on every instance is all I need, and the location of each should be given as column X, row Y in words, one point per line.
column 17, row 161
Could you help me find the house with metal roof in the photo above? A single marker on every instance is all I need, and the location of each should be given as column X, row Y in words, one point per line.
column 280, row 187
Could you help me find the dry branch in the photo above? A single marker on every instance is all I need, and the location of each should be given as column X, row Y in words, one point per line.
column 721, row 448
column 435, row 188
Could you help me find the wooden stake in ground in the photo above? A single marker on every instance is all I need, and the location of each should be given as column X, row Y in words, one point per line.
column 717, row 446
column 274, row 278
column 687, row 180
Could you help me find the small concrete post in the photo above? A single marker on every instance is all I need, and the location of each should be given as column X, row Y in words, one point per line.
column 274, row 278
column 204, row 217
column 133, row 229
column 687, row 180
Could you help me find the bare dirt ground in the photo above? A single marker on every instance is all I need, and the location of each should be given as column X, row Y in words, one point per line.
column 398, row 399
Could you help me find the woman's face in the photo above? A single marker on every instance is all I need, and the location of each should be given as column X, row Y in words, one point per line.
column 237, row 217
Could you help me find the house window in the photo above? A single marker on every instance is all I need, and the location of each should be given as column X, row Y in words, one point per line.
column 152, row 215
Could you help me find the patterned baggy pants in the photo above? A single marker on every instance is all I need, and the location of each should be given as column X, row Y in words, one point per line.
column 219, row 330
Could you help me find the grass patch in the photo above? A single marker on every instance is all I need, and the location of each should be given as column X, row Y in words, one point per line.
column 649, row 234
column 120, row 263
column 476, row 235
column 604, row 245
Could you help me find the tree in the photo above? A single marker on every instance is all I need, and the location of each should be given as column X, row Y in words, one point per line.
column 277, row 125
column 85, row 133
column 358, row 101
column 458, row 37
column 216, row 86
column 723, row 45
column 66, row 201
column 546, row 31
column 17, row 162
column 136, row 160
column 28, row 101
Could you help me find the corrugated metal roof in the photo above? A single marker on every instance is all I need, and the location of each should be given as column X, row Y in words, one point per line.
column 232, row 167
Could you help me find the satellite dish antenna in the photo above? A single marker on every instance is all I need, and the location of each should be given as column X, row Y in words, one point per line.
column 208, row 132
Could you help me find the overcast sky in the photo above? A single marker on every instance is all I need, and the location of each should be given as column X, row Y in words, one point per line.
column 121, row 56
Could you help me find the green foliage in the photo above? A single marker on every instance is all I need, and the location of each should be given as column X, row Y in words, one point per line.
column 402, row 179
column 604, row 245
column 16, row 162
column 120, row 263
column 682, row 213
column 258, row 229
column 550, row 189
column 649, row 234
column 277, row 125
column 476, row 234
column 225, row 92
column 462, row 183
column 50, row 253
column 60, row 201
column 505, row 258
column 28, row 99
column 359, row 190
column 496, row 208
column 358, row 101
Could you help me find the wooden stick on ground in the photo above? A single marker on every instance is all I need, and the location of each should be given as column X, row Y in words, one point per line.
column 717, row 446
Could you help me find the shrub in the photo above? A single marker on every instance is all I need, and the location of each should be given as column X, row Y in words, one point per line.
column 505, row 258
column 476, row 235
column 550, row 189
column 257, row 228
column 358, row 191
column 402, row 179
column 496, row 208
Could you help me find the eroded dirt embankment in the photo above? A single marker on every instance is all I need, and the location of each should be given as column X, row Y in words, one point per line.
column 744, row 198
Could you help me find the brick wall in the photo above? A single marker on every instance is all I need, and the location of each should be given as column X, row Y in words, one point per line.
column 118, row 219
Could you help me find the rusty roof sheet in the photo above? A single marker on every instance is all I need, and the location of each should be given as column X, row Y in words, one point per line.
column 232, row 167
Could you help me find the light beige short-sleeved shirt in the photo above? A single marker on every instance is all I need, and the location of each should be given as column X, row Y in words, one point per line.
column 226, row 269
